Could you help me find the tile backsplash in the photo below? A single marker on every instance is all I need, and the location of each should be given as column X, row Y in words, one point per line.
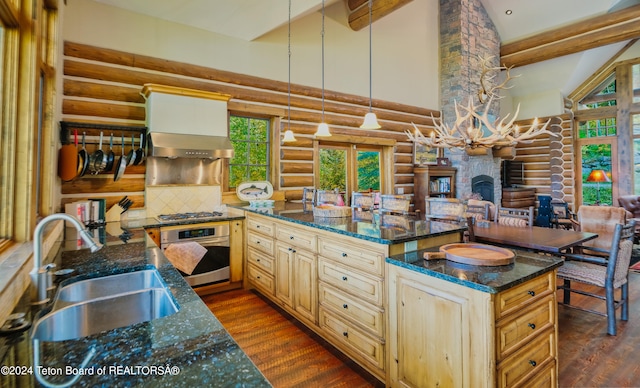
column 181, row 199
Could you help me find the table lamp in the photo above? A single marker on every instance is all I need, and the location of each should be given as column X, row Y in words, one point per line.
column 598, row 176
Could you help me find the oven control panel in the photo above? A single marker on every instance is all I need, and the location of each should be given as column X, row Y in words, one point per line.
column 196, row 233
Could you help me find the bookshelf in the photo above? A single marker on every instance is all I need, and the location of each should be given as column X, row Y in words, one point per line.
column 433, row 181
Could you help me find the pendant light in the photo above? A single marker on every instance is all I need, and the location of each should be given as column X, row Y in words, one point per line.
column 323, row 128
column 370, row 119
column 288, row 134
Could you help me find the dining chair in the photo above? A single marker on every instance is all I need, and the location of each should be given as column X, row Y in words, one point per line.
column 520, row 217
column 478, row 212
column 601, row 220
column 363, row 201
column 329, row 197
column 610, row 272
column 444, row 209
column 309, row 195
column 561, row 216
column 390, row 203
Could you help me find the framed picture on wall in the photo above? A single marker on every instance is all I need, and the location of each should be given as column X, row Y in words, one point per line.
column 424, row 155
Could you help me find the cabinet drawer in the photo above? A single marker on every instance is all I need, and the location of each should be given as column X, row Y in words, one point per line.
column 367, row 316
column 261, row 280
column 547, row 377
column 527, row 362
column 519, row 297
column 363, row 257
column 365, row 287
column 364, row 347
column 516, row 331
column 261, row 226
column 297, row 237
column 261, row 243
column 261, row 260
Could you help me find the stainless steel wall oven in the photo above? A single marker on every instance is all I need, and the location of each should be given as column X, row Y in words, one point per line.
column 214, row 236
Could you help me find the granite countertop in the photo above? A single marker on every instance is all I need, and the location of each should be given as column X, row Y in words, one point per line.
column 188, row 348
column 366, row 225
column 491, row 279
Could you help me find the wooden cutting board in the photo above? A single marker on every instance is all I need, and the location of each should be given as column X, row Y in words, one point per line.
column 477, row 254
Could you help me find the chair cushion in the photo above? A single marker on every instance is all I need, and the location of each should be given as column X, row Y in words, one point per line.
column 512, row 221
column 601, row 220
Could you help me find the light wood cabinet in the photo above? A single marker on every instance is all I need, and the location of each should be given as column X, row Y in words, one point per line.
column 236, row 250
column 296, row 280
column 444, row 334
column 433, row 181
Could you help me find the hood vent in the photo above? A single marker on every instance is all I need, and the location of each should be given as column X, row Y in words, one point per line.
column 174, row 145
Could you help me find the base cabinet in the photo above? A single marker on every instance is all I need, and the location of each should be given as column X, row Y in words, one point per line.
column 443, row 334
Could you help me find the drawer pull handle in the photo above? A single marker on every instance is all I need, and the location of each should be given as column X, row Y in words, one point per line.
column 345, row 306
column 532, row 326
column 344, row 333
column 257, row 242
column 344, row 254
column 344, row 278
column 257, row 226
column 532, row 293
column 532, row 363
column 258, row 260
column 258, row 277
column 290, row 248
column 290, row 237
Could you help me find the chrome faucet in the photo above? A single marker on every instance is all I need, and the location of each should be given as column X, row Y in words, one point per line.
column 39, row 273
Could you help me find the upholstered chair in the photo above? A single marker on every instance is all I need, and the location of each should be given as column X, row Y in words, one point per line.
column 363, row 201
column 601, row 220
column 610, row 271
column 398, row 204
column 520, row 217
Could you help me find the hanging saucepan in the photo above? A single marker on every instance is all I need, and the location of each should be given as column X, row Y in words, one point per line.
column 98, row 159
column 140, row 151
column 84, row 156
column 131, row 157
column 110, row 156
column 122, row 163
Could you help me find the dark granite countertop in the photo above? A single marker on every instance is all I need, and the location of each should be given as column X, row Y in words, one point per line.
column 491, row 279
column 186, row 349
column 366, row 225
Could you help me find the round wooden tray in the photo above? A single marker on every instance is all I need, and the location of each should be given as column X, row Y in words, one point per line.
column 477, row 254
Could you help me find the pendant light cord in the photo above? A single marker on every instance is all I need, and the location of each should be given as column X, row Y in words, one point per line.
column 322, row 33
column 289, row 53
column 370, row 56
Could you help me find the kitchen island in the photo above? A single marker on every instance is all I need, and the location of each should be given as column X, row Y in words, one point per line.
column 188, row 348
column 361, row 283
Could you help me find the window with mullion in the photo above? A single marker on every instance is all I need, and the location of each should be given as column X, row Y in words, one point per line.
column 249, row 136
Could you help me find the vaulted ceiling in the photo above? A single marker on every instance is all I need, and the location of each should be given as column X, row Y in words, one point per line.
column 528, row 21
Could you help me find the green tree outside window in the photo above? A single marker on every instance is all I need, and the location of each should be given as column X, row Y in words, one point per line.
column 250, row 162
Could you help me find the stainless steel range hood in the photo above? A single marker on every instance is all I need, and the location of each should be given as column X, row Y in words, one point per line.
column 176, row 145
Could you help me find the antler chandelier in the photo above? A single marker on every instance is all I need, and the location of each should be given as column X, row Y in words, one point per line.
column 472, row 130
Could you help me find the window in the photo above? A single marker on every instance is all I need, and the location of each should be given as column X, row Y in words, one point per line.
column 349, row 167
column 250, row 139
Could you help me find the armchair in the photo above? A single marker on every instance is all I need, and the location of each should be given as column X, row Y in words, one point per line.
column 631, row 203
column 610, row 272
column 601, row 220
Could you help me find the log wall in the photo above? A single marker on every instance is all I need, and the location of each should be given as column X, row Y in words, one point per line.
column 103, row 86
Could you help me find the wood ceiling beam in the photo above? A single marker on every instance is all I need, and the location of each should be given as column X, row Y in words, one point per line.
column 359, row 11
column 588, row 34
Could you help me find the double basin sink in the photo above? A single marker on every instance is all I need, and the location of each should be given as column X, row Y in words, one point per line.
column 99, row 304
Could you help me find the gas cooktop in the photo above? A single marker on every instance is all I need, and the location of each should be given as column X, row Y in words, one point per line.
column 196, row 216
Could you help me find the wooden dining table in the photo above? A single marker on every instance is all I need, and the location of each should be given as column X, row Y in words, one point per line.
column 534, row 237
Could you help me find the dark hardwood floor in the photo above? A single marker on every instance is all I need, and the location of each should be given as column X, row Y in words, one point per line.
column 290, row 355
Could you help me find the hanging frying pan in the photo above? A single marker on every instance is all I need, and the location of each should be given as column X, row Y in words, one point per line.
column 139, row 152
column 122, row 163
column 84, row 156
column 68, row 159
column 98, row 159
column 131, row 156
column 110, row 156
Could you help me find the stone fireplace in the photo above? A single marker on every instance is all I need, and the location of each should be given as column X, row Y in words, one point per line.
column 484, row 186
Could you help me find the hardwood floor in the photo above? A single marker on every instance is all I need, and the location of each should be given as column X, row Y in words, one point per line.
column 290, row 355
column 285, row 351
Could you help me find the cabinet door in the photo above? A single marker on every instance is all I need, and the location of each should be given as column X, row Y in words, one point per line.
column 284, row 272
column 305, row 285
column 235, row 251
column 440, row 334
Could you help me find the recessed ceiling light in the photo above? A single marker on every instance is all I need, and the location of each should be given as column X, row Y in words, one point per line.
column 508, row 12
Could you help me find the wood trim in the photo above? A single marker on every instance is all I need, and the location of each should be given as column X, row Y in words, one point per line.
column 8, row 14
column 359, row 11
column 591, row 33
column 358, row 140
column 147, row 89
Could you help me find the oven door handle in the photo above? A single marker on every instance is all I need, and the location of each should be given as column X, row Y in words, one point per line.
column 205, row 242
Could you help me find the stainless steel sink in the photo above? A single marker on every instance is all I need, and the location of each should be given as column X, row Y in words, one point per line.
column 110, row 285
column 106, row 313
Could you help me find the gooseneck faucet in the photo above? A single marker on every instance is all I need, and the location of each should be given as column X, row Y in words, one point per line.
column 39, row 273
